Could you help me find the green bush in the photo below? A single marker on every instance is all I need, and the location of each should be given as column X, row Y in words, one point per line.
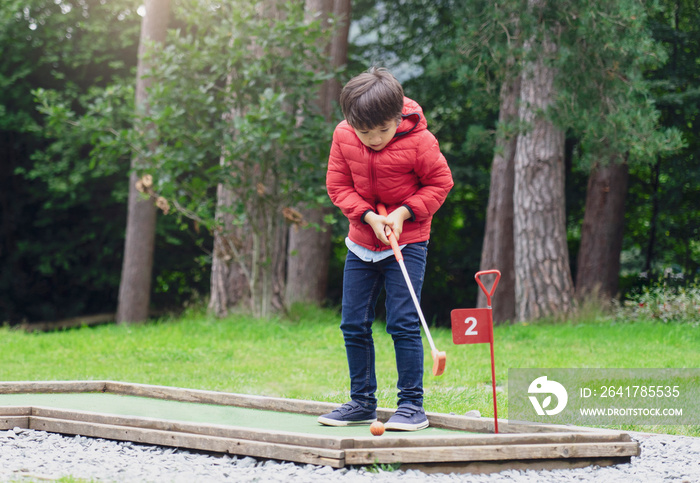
column 667, row 300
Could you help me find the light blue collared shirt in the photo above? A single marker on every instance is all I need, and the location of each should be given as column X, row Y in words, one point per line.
column 367, row 255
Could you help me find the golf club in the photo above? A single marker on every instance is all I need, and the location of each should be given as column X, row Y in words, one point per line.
column 439, row 358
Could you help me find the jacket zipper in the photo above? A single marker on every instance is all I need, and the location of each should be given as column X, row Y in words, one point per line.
column 373, row 176
column 373, row 183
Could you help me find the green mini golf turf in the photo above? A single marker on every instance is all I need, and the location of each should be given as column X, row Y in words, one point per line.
column 196, row 413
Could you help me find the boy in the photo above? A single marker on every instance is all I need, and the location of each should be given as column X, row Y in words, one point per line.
column 383, row 153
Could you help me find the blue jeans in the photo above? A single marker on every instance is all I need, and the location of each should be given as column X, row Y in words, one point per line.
column 362, row 283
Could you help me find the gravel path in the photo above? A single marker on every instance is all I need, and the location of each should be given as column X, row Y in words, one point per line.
column 27, row 455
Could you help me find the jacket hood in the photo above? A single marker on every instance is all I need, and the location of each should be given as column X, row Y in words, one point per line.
column 412, row 118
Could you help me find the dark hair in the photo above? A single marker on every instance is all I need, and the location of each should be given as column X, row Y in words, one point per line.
column 371, row 99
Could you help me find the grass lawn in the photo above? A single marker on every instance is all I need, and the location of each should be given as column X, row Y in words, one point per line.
column 302, row 356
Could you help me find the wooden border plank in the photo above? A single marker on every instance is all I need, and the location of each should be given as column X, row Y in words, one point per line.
column 489, row 453
column 71, row 323
column 301, row 454
column 485, row 467
column 34, row 387
column 489, row 439
column 214, row 430
column 11, row 422
column 220, row 398
column 15, row 410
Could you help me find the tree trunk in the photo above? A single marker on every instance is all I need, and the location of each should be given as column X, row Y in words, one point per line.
column 248, row 266
column 309, row 251
column 135, row 285
column 308, row 259
column 598, row 265
column 543, row 284
column 249, row 260
column 498, row 249
column 228, row 278
column 651, row 244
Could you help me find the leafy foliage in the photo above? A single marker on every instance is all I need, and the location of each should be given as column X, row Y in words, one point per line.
column 58, row 256
column 668, row 299
column 233, row 106
column 608, row 104
column 62, row 196
column 232, row 103
column 604, row 97
column 664, row 216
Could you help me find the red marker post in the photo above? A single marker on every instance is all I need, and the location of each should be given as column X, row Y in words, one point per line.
column 475, row 326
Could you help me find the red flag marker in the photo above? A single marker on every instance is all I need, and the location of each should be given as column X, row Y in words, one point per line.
column 475, row 326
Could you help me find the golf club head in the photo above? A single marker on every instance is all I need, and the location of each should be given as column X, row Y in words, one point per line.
column 439, row 361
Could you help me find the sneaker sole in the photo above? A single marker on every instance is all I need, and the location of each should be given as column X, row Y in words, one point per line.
column 389, row 426
column 338, row 423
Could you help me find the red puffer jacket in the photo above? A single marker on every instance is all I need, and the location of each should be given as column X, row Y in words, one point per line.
column 409, row 171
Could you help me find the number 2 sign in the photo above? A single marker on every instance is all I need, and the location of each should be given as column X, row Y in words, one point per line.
column 475, row 326
column 471, row 326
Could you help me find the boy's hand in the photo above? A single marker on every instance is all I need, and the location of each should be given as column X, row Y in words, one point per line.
column 378, row 224
column 383, row 225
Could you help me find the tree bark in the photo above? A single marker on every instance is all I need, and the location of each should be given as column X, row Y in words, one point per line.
column 249, row 260
column 598, row 264
column 135, row 285
column 309, row 249
column 543, row 284
column 228, row 278
column 308, row 259
column 651, row 243
column 498, row 251
column 248, row 266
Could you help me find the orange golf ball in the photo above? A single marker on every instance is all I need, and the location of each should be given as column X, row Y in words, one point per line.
column 376, row 428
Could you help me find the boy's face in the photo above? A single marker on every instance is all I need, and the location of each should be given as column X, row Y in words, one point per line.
column 378, row 137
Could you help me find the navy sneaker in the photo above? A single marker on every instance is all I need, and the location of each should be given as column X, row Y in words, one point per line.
column 348, row 414
column 407, row 418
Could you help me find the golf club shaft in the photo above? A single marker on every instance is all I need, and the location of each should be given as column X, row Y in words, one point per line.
column 415, row 300
column 399, row 258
